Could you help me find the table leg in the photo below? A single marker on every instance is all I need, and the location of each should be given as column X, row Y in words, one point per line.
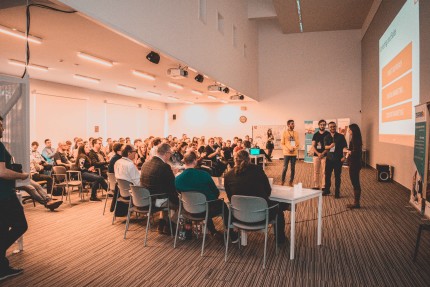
column 293, row 229
column 319, row 219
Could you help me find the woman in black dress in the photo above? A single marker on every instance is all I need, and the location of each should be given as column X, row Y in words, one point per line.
column 269, row 144
column 354, row 161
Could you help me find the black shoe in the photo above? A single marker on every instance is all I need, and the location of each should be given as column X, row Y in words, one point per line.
column 95, row 199
column 234, row 237
column 10, row 272
column 54, row 205
column 325, row 193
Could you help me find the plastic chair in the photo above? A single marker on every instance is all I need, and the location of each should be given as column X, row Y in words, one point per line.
column 142, row 202
column 124, row 192
column 423, row 226
column 250, row 213
column 64, row 178
column 191, row 205
column 111, row 188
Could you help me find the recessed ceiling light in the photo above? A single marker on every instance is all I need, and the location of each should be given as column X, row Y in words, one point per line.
column 125, row 87
column 153, row 94
column 173, row 98
column 188, row 102
column 196, row 92
column 143, row 75
column 95, row 59
column 85, row 78
column 176, row 86
column 212, row 97
column 31, row 66
column 19, row 34
column 206, row 76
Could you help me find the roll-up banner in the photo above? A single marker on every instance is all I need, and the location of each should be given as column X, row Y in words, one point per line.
column 420, row 193
column 309, row 133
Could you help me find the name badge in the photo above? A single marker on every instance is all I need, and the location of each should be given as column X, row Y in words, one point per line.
column 319, row 146
column 293, row 143
column 332, row 149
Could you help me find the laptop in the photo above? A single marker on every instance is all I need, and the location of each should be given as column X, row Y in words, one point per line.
column 254, row 151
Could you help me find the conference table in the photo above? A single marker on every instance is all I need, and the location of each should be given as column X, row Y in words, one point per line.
column 255, row 157
column 287, row 194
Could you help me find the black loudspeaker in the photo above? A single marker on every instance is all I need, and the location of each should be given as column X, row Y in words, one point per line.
column 174, row 116
column 385, row 172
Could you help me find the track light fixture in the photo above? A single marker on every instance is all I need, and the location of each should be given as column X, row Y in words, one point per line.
column 153, row 57
column 199, row 78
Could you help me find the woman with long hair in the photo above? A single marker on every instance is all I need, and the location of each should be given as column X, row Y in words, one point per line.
column 250, row 180
column 141, row 155
column 269, row 143
column 89, row 173
column 354, row 161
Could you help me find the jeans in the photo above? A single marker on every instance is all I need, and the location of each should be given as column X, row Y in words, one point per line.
column 12, row 225
column 287, row 159
column 43, row 177
column 96, row 180
column 331, row 165
column 319, row 169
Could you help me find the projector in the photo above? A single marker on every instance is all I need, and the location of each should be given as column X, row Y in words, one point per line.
column 237, row 97
column 218, row 88
column 177, row 73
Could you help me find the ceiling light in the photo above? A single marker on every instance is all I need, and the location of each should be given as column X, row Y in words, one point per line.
column 199, row 78
column 31, row 66
column 226, row 90
column 300, row 15
column 19, row 34
column 191, row 69
column 224, row 101
column 95, row 59
column 173, row 98
column 85, row 78
column 188, row 102
column 153, row 57
column 212, row 97
column 196, row 92
column 125, row 87
column 176, row 86
column 153, row 94
column 143, row 75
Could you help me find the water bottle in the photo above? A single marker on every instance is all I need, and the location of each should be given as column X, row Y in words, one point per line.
column 181, row 232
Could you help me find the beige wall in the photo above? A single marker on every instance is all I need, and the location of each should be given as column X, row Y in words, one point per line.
column 61, row 112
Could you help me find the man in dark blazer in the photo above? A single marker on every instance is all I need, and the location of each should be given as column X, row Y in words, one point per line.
column 157, row 176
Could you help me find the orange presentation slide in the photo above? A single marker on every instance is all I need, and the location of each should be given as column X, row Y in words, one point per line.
column 397, row 113
column 399, row 65
column 399, row 91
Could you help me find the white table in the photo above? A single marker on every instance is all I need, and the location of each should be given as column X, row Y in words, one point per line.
column 256, row 157
column 288, row 195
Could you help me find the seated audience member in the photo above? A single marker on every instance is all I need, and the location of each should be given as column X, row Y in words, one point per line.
column 127, row 140
column 125, row 168
column 60, row 157
column 107, row 148
column 69, row 152
column 250, row 180
column 192, row 179
column 247, row 142
column 214, row 155
column 48, row 152
column 78, row 143
column 98, row 158
column 137, row 143
column 117, row 155
column 157, row 176
column 238, row 147
column 122, row 141
column 89, row 173
column 90, row 142
column 38, row 165
column 155, row 143
column 141, row 156
column 38, row 194
column 178, row 155
column 218, row 142
column 227, row 153
column 234, row 144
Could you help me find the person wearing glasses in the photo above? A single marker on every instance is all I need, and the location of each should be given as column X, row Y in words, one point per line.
column 320, row 154
column 334, row 144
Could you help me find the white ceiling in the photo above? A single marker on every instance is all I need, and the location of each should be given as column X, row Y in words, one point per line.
column 64, row 35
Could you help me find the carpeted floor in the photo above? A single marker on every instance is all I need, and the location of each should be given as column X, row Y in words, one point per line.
column 373, row 246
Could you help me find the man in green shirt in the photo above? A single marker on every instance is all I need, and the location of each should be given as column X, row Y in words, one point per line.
column 192, row 179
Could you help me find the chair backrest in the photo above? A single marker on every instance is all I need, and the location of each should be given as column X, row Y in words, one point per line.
column 58, row 169
column 248, row 209
column 124, row 187
column 140, row 196
column 112, row 181
column 193, row 202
